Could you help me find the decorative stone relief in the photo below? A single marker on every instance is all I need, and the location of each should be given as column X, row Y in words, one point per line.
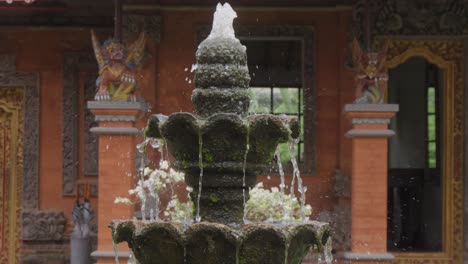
column 91, row 140
column 72, row 65
column 30, row 82
column 43, row 225
column 402, row 17
column 133, row 24
column 340, row 225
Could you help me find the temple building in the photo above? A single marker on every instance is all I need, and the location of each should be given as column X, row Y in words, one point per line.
column 379, row 89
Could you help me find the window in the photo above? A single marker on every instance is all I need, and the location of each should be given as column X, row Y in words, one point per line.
column 431, row 128
column 276, row 86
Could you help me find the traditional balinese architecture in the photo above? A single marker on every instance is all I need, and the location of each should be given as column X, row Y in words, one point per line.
column 379, row 87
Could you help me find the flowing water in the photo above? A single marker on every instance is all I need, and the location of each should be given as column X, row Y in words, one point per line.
column 247, row 147
column 200, row 180
column 116, row 251
column 286, row 212
column 296, row 174
column 141, row 147
column 327, row 251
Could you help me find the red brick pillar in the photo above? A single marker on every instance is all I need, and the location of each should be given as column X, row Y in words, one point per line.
column 117, row 145
column 369, row 135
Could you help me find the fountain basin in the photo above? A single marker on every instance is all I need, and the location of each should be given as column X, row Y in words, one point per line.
column 215, row 243
column 230, row 149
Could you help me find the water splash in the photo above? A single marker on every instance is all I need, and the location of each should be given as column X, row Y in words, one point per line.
column 132, row 259
column 286, row 212
column 141, row 171
column 200, row 180
column 114, row 247
column 297, row 174
column 222, row 22
column 247, row 147
column 327, row 251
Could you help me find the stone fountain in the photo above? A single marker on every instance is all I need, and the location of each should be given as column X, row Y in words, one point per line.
column 221, row 149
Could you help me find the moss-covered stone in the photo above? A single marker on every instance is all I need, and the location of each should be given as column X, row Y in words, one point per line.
column 158, row 243
column 180, row 132
column 221, row 51
column 122, row 231
column 153, row 126
column 226, row 208
column 266, row 132
column 210, row 243
column 222, row 76
column 214, row 243
column 224, row 138
column 262, row 244
column 301, row 238
column 213, row 100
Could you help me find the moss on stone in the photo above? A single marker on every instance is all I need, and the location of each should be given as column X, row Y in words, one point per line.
column 213, row 198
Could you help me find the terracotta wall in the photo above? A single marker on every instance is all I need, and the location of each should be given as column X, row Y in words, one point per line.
column 42, row 51
column 333, row 81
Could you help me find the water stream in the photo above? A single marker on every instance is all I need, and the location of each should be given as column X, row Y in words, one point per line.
column 116, row 250
column 286, row 212
column 141, row 147
column 327, row 251
column 296, row 174
column 200, row 180
column 247, row 147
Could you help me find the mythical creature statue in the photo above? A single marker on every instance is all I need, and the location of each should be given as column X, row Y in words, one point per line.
column 117, row 67
column 371, row 74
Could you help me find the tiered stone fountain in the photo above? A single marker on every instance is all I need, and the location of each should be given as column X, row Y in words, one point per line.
column 221, row 149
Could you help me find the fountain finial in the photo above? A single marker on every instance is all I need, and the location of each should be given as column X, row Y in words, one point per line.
column 222, row 22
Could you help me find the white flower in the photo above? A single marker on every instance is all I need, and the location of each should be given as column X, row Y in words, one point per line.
column 164, row 165
column 122, row 200
column 147, row 171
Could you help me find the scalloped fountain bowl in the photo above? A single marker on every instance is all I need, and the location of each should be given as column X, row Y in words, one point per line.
column 221, row 149
column 161, row 242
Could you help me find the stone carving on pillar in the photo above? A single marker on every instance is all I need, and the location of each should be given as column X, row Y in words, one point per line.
column 371, row 74
column 132, row 24
column 43, row 225
column 73, row 64
column 117, row 67
column 402, row 17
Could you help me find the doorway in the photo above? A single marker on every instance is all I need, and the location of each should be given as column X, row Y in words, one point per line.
column 415, row 167
column 11, row 169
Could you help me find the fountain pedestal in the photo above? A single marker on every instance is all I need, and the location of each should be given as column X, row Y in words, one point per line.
column 369, row 136
column 117, row 132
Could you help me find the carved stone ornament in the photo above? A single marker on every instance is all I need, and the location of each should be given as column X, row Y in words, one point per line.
column 418, row 17
column 43, row 225
column 73, row 63
column 133, row 24
column 30, row 82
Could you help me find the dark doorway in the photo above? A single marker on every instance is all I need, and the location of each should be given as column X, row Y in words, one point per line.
column 414, row 176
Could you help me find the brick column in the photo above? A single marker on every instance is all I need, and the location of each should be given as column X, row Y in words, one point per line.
column 117, row 147
column 369, row 135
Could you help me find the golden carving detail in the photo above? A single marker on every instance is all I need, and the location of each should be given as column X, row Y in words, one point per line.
column 447, row 55
column 11, row 171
